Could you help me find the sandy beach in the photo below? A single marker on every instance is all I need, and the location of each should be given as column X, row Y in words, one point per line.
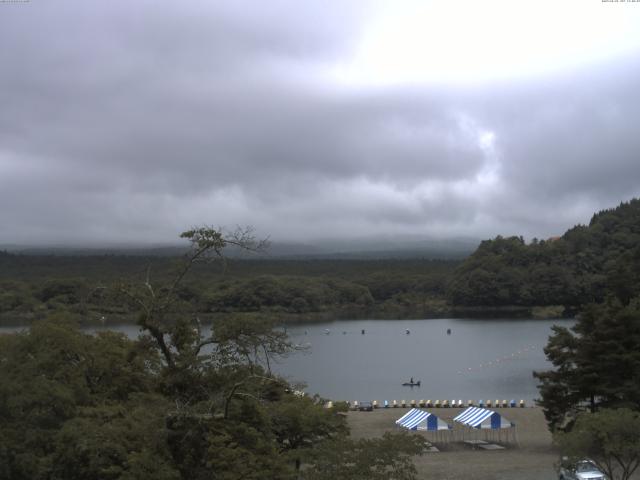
column 533, row 457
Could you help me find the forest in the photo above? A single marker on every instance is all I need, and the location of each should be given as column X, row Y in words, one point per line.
column 585, row 265
column 506, row 275
column 32, row 286
column 181, row 401
column 190, row 398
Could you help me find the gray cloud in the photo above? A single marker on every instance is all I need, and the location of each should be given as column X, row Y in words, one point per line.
column 130, row 121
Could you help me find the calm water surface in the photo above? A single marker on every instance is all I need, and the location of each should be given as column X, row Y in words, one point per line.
column 480, row 359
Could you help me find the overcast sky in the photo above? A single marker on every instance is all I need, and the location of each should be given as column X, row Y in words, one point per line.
column 130, row 121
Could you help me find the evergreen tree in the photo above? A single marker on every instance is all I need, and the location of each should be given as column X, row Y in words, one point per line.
column 597, row 363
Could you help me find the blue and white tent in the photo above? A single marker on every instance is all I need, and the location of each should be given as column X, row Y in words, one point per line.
column 476, row 417
column 416, row 419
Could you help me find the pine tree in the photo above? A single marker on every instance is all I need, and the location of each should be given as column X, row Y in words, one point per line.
column 597, row 363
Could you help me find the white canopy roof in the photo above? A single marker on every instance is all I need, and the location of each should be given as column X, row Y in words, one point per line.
column 476, row 417
column 416, row 419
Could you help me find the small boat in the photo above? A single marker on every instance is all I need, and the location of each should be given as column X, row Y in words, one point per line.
column 411, row 384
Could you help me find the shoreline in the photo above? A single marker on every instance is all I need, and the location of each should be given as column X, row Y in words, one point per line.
column 292, row 319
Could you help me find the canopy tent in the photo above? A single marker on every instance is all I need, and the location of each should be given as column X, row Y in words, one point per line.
column 476, row 417
column 417, row 419
column 481, row 419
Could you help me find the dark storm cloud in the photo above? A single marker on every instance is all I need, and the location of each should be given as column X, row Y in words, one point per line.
column 571, row 144
column 129, row 121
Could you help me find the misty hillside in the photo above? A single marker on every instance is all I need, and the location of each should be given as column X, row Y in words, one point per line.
column 584, row 265
column 364, row 248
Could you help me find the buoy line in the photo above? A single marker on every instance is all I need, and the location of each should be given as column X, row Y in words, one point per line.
column 500, row 360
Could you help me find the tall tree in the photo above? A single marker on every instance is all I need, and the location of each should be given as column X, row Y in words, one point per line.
column 596, row 363
column 179, row 338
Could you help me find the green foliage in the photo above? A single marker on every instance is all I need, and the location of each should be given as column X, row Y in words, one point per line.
column 596, row 363
column 300, row 423
column 386, row 458
column 79, row 406
column 114, row 442
column 181, row 401
column 583, row 266
column 239, row 451
column 31, row 287
column 64, row 290
column 288, row 294
column 54, row 381
column 609, row 438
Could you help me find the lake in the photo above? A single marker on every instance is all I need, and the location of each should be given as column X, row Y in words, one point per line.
column 480, row 359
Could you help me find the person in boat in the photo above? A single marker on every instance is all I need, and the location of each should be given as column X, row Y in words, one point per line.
column 411, row 381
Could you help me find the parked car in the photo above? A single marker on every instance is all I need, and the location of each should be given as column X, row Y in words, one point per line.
column 365, row 407
column 582, row 470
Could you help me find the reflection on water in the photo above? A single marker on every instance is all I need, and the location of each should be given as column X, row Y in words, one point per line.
column 478, row 359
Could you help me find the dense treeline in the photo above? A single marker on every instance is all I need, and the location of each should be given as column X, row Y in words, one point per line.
column 33, row 286
column 103, row 407
column 182, row 401
column 597, row 363
column 583, row 266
